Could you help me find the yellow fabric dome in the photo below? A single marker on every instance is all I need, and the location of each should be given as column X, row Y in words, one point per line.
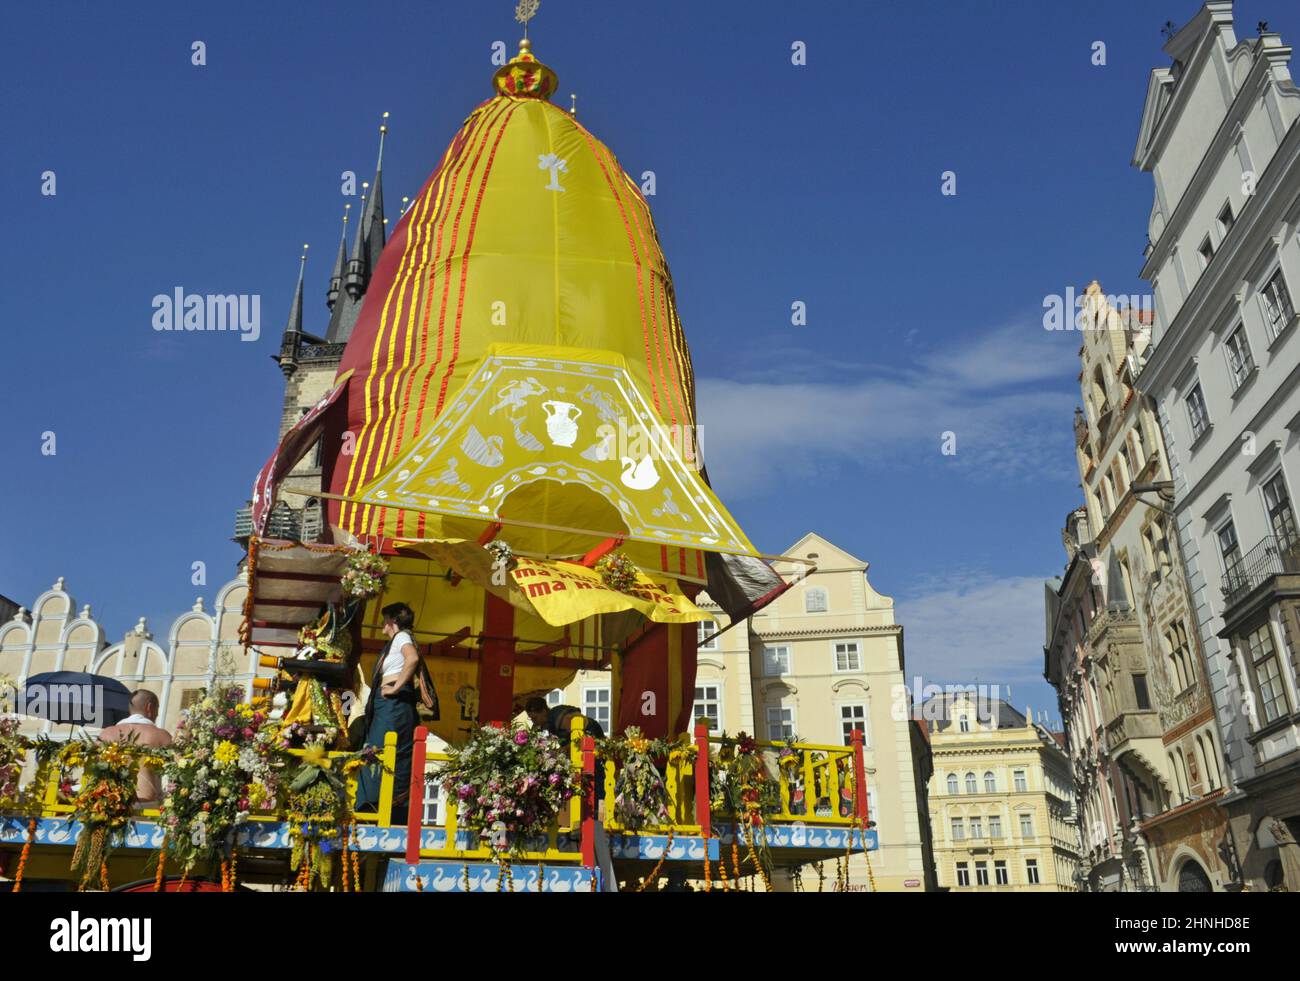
column 528, row 235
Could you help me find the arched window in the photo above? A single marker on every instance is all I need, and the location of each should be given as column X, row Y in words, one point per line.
column 971, row 786
column 963, row 723
column 952, row 784
column 990, row 783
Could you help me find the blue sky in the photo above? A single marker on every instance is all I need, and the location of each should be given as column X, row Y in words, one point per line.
column 775, row 184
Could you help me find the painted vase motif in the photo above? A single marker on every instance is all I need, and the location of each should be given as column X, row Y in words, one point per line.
column 562, row 422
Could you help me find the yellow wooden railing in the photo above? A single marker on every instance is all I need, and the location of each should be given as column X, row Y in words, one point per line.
column 51, row 806
column 824, row 775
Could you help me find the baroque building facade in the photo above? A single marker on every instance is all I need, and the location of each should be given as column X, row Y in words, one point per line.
column 1144, row 724
column 821, row 661
column 1001, row 800
column 1220, row 138
column 177, row 667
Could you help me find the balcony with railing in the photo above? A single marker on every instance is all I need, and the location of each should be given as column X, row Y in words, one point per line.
column 1271, row 558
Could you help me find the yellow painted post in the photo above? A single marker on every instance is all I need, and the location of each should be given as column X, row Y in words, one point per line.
column 809, row 784
column 389, row 756
column 575, row 756
column 833, row 783
column 675, row 672
column 615, row 689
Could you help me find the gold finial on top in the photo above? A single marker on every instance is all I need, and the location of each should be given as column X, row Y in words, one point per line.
column 305, row 247
column 526, row 10
column 383, row 125
column 573, row 104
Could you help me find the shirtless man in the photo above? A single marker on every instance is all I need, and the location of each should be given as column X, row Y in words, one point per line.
column 141, row 727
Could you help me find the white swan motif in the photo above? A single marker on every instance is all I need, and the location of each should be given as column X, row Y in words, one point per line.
column 639, row 476
column 558, row 884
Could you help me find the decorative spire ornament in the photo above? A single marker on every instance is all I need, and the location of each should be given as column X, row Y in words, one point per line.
column 526, row 10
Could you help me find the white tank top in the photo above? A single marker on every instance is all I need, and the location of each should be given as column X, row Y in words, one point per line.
column 393, row 660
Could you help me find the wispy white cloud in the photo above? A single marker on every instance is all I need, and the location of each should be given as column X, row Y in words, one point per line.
column 977, row 627
column 1007, row 395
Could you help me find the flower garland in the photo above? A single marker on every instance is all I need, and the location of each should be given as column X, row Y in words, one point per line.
column 640, row 796
column 318, row 806
column 221, row 770
column 741, row 785
column 509, row 784
column 104, row 804
column 364, row 576
column 617, row 571
column 503, row 556
column 13, row 754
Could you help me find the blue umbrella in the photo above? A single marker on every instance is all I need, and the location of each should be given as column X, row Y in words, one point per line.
column 75, row 698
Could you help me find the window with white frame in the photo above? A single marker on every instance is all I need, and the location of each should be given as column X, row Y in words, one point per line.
column 780, row 722
column 1021, row 784
column 776, row 661
column 1197, row 415
column 1230, row 550
column 981, row 873
column 1031, row 871
column 963, row 723
column 954, row 785
column 1240, row 362
column 707, row 631
column 1000, row 873
column 1266, row 672
column 963, row 873
column 595, row 705
column 977, row 827
column 432, row 787
column 708, row 705
column 958, row 829
column 1280, row 516
column 1278, row 308
column 554, row 697
column 995, row 825
column 972, row 787
column 847, row 656
column 1026, row 826
column 853, row 718
column 990, row 782
column 814, row 600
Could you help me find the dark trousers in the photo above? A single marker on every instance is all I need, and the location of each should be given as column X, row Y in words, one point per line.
column 390, row 714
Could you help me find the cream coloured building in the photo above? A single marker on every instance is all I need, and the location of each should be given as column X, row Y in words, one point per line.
column 822, row 660
column 200, row 644
column 1001, row 801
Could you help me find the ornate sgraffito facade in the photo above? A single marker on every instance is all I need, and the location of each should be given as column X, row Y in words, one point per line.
column 1147, row 758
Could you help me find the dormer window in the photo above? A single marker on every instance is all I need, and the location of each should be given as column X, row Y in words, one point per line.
column 814, row 600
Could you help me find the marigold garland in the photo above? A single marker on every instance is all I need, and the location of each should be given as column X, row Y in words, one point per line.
column 22, row 859
column 654, row 873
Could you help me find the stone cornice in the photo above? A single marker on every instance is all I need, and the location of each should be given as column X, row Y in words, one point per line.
column 846, row 632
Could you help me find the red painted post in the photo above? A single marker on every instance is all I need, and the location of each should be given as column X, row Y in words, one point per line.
column 702, row 810
column 859, row 778
column 415, row 810
column 589, row 802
